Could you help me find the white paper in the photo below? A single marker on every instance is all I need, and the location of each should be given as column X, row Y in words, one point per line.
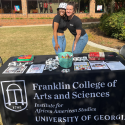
column 98, row 65
column 115, row 65
column 57, row 58
column 36, row 68
column 78, row 66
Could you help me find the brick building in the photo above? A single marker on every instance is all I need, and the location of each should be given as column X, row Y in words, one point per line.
column 21, row 11
column 35, row 8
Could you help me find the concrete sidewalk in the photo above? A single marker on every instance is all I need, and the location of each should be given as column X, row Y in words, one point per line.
column 102, row 47
column 26, row 26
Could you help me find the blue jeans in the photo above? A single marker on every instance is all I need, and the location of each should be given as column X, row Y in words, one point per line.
column 62, row 43
column 80, row 45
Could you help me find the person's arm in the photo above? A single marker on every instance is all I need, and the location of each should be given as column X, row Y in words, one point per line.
column 56, row 25
column 78, row 31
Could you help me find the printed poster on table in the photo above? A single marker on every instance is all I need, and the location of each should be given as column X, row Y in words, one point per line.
column 15, row 69
column 98, row 65
column 78, row 66
column 37, row 68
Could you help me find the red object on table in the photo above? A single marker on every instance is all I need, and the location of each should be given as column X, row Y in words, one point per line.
column 96, row 56
column 25, row 57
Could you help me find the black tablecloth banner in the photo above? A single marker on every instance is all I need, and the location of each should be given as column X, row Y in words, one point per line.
column 80, row 97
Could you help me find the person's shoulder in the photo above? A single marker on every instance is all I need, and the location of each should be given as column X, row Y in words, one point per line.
column 57, row 16
column 76, row 17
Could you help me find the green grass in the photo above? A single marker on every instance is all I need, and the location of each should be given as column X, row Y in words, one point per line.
column 32, row 40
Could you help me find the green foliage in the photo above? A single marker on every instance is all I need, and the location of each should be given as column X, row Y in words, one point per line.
column 103, row 17
column 113, row 25
column 122, row 34
column 45, row 18
column 19, row 18
column 85, row 18
column 121, row 9
column 89, row 18
column 6, row 18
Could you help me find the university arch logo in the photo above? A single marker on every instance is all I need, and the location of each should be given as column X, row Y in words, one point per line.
column 14, row 95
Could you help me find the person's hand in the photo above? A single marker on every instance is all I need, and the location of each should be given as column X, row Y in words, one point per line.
column 74, row 46
column 56, row 47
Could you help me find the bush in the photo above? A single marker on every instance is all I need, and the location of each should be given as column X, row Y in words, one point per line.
column 103, row 17
column 113, row 24
column 122, row 35
column 120, row 9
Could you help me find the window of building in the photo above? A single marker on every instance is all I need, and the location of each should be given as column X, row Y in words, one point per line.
column 54, row 4
column 50, row 6
column 16, row 6
column 99, row 7
column 6, row 6
column 10, row 6
column 77, row 7
column 42, row 6
column 32, row 6
column 84, row 6
column 1, row 7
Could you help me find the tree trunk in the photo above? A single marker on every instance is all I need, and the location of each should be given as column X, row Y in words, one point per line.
column 105, row 8
column 112, row 6
column 79, row 6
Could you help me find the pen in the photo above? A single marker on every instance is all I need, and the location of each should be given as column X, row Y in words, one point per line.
column 111, row 55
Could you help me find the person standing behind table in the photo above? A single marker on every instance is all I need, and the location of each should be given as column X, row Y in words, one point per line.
column 74, row 25
column 45, row 7
column 59, row 26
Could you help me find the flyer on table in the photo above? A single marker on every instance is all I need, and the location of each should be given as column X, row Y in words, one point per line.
column 98, row 65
